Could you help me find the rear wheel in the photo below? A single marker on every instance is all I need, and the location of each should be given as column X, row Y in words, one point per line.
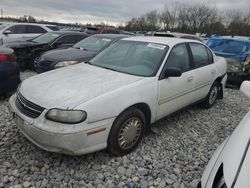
column 212, row 95
column 126, row 132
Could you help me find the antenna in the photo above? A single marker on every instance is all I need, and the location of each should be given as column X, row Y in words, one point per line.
column 1, row 12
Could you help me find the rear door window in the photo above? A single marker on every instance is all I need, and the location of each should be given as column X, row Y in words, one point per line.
column 35, row 29
column 200, row 55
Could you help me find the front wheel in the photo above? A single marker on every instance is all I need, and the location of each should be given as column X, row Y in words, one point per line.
column 212, row 95
column 126, row 132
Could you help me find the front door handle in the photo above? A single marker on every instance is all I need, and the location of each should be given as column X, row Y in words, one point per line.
column 190, row 79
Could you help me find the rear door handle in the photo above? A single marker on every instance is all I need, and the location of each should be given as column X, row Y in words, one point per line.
column 190, row 79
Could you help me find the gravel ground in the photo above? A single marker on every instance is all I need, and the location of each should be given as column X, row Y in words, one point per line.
column 175, row 156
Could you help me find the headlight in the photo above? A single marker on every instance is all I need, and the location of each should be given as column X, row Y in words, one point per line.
column 66, row 116
column 66, row 63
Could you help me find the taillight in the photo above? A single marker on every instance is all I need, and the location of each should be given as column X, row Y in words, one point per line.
column 7, row 58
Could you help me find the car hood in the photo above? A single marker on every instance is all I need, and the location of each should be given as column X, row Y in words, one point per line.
column 68, row 55
column 237, row 147
column 71, row 86
column 22, row 44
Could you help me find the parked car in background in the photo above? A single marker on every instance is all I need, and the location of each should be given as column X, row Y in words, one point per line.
column 84, row 50
column 105, row 30
column 237, row 52
column 9, row 71
column 230, row 164
column 111, row 101
column 28, row 52
column 22, row 31
column 177, row 35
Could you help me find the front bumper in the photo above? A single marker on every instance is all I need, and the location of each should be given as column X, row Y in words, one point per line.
column 75, row 143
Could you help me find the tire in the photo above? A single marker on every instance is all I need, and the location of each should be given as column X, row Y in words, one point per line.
column 212, row 96
column 124, row 136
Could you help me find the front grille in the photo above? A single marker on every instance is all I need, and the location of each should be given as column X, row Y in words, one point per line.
column 28, row 108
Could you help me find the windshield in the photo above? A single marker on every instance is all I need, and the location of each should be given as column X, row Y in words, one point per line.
column 132, row 57
column 92, row 43
column 45, row 38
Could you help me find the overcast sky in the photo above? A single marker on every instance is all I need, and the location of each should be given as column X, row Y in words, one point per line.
column 96, row 11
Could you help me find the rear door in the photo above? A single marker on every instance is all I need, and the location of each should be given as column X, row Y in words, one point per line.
column 176, row 92
column 205, row 69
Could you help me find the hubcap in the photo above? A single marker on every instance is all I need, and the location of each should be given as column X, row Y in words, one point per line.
column 130, row 133
column 213, row 95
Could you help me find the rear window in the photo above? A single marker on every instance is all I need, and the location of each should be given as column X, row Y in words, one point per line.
column 45, row 38
column 53, row 28
column 91, row 30
column 163, row 35
column 93, row 43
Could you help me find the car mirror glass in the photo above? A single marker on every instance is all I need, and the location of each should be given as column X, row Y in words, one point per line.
column 172, row 72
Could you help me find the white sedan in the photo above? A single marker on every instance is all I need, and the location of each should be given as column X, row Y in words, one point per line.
column 111, row 101
column 230, row 164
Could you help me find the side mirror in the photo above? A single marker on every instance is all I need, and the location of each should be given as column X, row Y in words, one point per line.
column 245, row 88
column 6, row 32
column 172, row 72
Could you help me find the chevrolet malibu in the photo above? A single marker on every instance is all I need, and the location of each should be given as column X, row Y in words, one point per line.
column 111, row 101
column 229, row 166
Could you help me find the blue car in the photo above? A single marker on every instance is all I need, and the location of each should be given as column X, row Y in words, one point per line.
column 237, row 52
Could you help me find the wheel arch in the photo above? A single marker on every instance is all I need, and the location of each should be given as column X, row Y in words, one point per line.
column 145, row 110
column 218, row 80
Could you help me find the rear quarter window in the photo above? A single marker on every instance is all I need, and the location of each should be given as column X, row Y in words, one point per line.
column 53, row 28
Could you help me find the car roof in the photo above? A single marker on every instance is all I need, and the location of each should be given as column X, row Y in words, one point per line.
column 22, row 23
column 111, row 36
column 161, row 40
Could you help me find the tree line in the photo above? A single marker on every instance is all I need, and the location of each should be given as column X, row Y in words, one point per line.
column 192, row 18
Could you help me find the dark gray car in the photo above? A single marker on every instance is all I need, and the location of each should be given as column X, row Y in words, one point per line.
column 82, row 51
